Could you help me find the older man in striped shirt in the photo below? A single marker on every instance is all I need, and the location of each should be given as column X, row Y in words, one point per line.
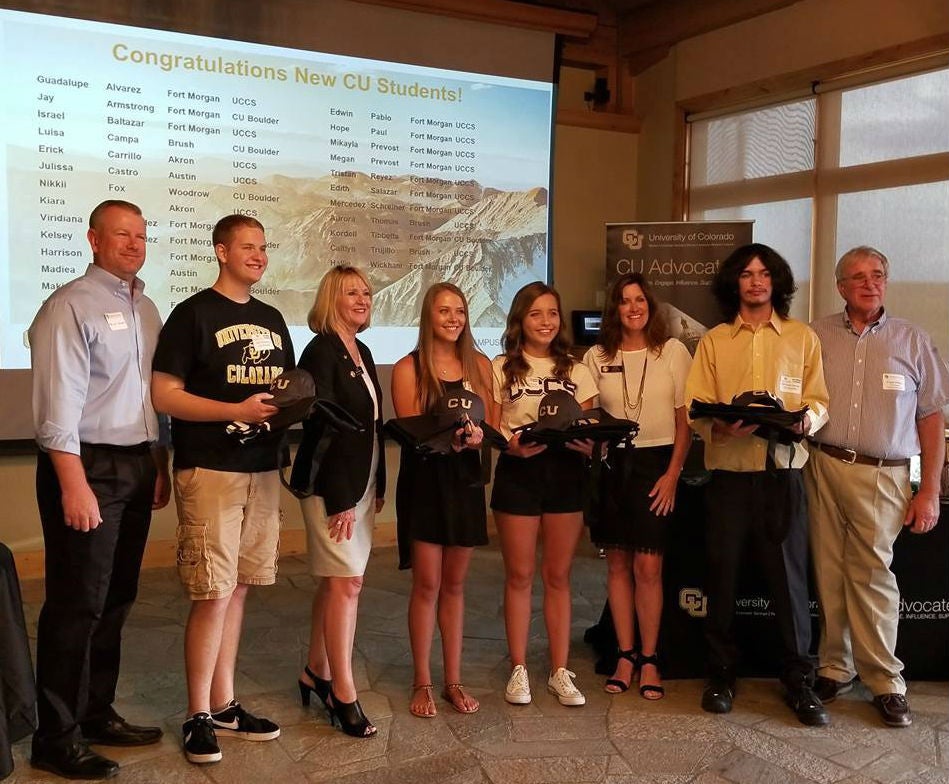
column 887, row 387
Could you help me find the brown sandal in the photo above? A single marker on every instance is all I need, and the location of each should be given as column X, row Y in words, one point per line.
column 453, row 690
column 429, row 704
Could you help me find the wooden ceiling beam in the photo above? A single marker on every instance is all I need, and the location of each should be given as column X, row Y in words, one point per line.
column 599, row 50
column 648, row 32
column 572, row 24
column 600, row 121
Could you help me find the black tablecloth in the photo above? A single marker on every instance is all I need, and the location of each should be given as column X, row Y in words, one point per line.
column 17, row 689
column 920, row 563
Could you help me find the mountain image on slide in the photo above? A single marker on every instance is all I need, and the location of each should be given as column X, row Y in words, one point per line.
column 406, row 233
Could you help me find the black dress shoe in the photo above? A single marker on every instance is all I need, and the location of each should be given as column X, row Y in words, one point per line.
column 827, row 689
column 116, row 731
column 718, row 694
column 73, row 761
column 894, row 709
column 806, row 705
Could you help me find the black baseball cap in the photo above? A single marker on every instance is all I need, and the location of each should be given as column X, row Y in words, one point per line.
column 294, row 392
column 758, row 397
column 558, row 410
column 455, row 405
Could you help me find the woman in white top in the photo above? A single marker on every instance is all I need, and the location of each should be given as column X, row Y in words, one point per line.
column 538, row 491
column 640, row 373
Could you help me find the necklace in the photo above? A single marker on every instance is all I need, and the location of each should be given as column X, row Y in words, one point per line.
column 447, row 366
column 353, row 350
column 633, row 410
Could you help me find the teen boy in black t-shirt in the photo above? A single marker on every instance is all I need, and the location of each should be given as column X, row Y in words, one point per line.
column 216, row 356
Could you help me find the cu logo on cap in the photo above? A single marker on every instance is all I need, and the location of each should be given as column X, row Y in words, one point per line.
column 548, row 410
column 455, row 402
column 693, row 601
column 281, row 383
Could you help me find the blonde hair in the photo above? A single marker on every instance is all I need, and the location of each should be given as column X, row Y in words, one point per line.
column 428, row 386
column 324, row 315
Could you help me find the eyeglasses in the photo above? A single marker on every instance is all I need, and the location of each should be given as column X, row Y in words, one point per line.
column 876, row 278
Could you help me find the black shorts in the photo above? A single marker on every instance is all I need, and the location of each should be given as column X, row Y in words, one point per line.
column 555, row 482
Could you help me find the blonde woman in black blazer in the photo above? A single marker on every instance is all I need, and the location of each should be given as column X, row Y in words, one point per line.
column 346, row 472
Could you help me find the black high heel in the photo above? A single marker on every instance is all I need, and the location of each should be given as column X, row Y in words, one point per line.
column 350, row 718
column 651, row 691
column 321, row 688
column 615, row 685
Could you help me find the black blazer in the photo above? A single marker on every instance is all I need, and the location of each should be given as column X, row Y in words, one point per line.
column 339, row 460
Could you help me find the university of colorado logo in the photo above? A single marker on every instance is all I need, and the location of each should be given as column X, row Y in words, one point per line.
column 253, row 355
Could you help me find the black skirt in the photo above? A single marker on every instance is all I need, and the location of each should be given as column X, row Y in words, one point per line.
column 623, row 520
column 439, row 499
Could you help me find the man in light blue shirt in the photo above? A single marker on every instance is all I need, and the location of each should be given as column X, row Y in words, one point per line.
column 99, row 475
column 887, row 387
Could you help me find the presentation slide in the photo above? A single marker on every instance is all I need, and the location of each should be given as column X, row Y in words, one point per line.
column 414, row 174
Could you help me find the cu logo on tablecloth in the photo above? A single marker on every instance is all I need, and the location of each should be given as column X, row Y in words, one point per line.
column 693, row 601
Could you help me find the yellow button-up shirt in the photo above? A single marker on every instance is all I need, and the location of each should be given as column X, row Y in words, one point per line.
column 781, row 356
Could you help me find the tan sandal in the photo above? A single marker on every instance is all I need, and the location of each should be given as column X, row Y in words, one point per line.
column 429, row 704
column 455, row 695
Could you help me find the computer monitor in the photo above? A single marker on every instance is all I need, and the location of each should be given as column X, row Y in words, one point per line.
column 586, row 326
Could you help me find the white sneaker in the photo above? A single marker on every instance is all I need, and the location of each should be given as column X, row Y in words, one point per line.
column 518, row 691
column 561, row 684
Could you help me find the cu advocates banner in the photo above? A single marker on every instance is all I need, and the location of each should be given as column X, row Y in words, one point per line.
column 679, row 260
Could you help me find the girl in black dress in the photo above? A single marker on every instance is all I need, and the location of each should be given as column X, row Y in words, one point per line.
column 440, row 499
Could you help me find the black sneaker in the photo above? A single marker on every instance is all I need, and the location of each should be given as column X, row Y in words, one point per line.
column 199, row 739
column 238, row 723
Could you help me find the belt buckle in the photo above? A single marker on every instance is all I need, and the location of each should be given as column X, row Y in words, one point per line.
column 851, row 456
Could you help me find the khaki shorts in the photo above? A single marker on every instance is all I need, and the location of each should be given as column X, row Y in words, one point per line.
column 228, row 530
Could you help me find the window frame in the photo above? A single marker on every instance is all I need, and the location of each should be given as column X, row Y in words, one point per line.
column 827, row 180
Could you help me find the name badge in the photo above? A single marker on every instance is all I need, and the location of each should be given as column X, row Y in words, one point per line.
column 790, row 384
column 262, row 342
column 611, row 368
column 116, row 321
column 894, row 381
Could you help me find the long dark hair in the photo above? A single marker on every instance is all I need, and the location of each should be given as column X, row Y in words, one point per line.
column 428, row 386
column 656, row 331
column 725, row 284
column 515, row 367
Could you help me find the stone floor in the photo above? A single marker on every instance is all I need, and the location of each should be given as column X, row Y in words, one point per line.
column 620, row 740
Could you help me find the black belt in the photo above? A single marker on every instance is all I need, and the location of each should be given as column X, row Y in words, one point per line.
column 132, row 449
column 850, row 456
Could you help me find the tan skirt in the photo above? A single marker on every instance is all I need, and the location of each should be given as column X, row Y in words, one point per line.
column 348, row 558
